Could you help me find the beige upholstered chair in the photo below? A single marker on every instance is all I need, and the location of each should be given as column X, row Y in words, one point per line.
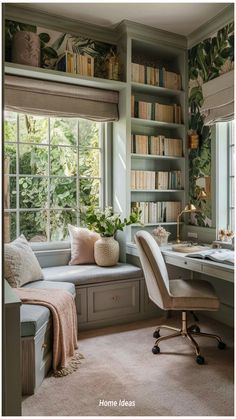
column 177, row 294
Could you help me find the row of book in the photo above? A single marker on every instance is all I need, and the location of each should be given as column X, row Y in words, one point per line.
column 158, row 145
column 74, row 63
column 158, row 212
column 155, row 76
column 156, row 111
column 150, row 180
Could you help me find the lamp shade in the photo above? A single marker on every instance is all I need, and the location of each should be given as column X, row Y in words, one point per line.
column 190, row 208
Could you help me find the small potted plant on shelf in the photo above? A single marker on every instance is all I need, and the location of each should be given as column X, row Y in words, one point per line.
column 107, row 223
column 161, row 235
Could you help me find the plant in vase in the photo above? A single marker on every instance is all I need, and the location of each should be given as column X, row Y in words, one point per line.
column 107, row 223
column 161, row 235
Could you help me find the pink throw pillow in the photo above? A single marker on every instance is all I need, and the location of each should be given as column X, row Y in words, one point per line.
column 82, row 245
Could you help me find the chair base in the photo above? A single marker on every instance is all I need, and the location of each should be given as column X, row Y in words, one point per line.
column 188, row 333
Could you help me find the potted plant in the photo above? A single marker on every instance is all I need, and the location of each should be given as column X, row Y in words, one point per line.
column 107, row 223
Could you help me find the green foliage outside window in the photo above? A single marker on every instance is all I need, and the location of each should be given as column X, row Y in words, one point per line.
column 49, row 155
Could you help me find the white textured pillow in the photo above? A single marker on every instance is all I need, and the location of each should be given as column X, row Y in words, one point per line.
column 82, row 245
column 20, row 263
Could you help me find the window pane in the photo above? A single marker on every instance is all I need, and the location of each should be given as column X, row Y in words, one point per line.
column 9, row 192
column 9, row 226
column 63, row 161
column 33, row 129
column 89, row 133
column 10, row 158
column 33, row 160
column 58, row 224
column 231, row 192
column 89, row 162
column 33, row 192
column 10, row 126
column 89, row 192
column 63, row 131
column 33, row 224
column 63, row 193
column 232, row 161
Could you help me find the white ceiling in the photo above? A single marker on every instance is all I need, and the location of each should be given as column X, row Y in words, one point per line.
column 181, row 18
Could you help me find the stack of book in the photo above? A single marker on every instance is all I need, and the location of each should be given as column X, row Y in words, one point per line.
column 155, row 76
column 155, row 111
column 143, row 179
column 158, row 212
column 168, row 180
column 161, row 180
column 156, row 145
column 167, row 113
column 71, row 62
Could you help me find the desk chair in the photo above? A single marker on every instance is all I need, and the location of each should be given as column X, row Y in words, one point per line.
column 177, row 294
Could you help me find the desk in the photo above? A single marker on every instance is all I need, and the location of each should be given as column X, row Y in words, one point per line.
column 203, row 266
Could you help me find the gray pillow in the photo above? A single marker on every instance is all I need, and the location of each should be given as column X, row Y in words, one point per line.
column 20, row 263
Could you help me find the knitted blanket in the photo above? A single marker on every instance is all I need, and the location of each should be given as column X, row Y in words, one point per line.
column 62, row 307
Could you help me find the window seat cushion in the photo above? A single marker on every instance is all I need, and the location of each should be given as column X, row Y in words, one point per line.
column 91, row 274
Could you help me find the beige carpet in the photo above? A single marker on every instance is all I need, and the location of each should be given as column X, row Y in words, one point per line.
column 119, row 365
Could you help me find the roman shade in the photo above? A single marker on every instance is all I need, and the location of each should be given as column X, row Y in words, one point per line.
column 218, row 95
column 59, row 99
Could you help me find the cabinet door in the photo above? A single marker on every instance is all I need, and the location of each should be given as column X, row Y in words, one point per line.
column 113, row 300
column 81, row 304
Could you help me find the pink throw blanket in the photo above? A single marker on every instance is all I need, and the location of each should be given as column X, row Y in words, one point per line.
column 62, row 306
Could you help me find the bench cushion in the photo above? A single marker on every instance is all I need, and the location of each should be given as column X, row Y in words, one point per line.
column 91, row 274
column 33, row 317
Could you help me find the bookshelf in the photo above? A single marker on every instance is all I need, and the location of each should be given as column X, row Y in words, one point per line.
column 150, row 54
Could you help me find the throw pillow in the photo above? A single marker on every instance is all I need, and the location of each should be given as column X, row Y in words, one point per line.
column 82, row 245
column 20, row 263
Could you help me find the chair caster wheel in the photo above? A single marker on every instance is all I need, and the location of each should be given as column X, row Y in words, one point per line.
column 200, row 360
column 221, row 345
column 156, row 334
column 155, row 350
column 196, row 329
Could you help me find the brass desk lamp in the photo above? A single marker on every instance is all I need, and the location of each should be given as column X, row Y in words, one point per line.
column 189, row 209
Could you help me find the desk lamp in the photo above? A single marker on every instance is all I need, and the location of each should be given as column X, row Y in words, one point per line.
column 188, row 209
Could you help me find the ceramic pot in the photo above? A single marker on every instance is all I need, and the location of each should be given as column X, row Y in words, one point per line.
column 26, row 48
column 162, row 241
column 106, row 251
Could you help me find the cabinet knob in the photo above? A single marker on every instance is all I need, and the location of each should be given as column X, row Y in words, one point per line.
column 185, row 263
column 116, row 298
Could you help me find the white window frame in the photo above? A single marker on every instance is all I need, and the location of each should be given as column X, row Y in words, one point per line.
column 224, row 138
column 104, row 178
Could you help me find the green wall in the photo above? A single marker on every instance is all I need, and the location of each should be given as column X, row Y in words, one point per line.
column 206, row 61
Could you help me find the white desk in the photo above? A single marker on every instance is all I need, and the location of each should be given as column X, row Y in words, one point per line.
column 206, row 267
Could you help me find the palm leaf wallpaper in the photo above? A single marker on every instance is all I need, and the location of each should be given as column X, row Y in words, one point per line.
column 207, row 60
column 53, row 44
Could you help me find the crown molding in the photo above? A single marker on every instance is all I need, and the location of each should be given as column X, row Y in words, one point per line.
column 211, row 26
column 148, row 33
column 60, row 24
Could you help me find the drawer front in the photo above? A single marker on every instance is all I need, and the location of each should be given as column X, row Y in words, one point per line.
column 81, row 304
column 113, row 300
column 149, row 306
column 184, row 263
column 218, row 273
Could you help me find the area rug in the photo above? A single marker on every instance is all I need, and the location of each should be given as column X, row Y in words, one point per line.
column 120, row 376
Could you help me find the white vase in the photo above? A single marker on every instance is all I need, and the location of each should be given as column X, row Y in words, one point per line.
column 106, row 251
column 26, row 48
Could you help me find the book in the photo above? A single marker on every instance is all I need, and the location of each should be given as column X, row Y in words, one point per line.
column 217, row 255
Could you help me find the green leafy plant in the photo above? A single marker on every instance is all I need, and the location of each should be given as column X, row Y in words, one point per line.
column 106, row 222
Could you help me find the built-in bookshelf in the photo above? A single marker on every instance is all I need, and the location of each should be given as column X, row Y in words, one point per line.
column 157, row 135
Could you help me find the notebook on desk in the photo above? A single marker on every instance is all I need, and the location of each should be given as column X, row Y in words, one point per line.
column 217, row 255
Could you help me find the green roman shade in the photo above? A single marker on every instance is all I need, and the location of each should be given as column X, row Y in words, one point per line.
column 50, row 98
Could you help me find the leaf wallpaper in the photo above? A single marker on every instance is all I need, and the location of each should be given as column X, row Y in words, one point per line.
column 53, row 44
column 206, row 61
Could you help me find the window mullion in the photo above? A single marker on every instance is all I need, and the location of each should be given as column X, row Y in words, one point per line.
column 17, row 176
column 49, row 178
column 78, row 177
